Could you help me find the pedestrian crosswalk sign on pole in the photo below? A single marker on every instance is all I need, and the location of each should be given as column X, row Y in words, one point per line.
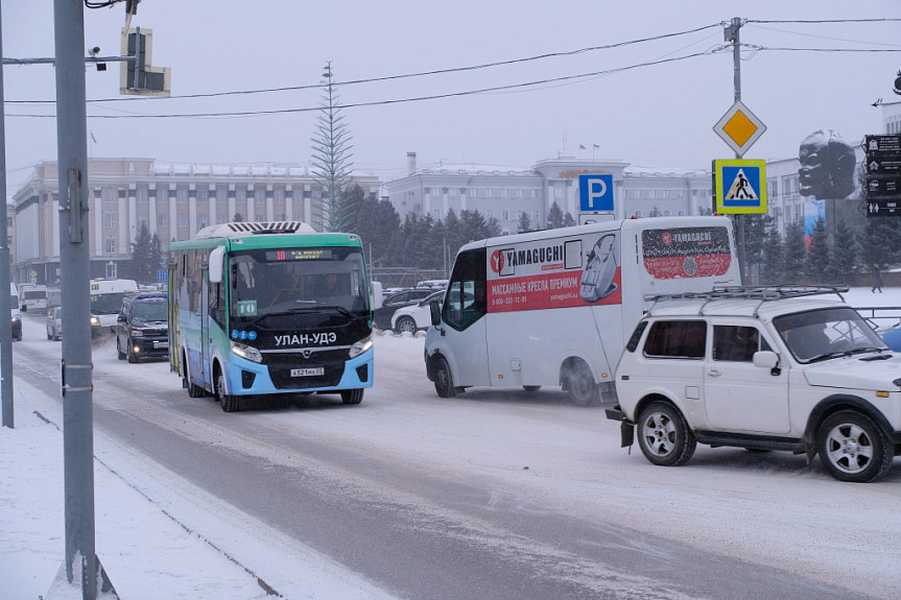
column 740, row 186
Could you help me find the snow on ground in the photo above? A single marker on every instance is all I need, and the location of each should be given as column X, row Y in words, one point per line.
column 137, row 539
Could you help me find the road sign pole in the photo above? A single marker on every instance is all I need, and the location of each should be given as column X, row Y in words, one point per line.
column 733, row 33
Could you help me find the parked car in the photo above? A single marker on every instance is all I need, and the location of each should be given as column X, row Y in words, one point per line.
column 764, row 369
column 142, row 327
column 411, row 319
column 55, row 323
column 382, row 316
column 433, row 284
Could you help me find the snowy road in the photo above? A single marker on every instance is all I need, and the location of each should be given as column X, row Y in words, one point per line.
column 487, row 495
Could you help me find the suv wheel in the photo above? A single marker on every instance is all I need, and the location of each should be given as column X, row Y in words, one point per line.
column 853, row 448
column 663, row 435
column 405, row 325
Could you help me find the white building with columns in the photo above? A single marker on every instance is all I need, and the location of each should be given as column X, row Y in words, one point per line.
column 174, row 201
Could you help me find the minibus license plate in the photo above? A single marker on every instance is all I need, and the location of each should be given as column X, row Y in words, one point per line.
column 308, row 372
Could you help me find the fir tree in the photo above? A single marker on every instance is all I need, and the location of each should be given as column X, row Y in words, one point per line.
column 525, row 223
column 795, row 252
column 145, row 256
column 844, row 255
column 331, row 158
column 818, row 254
column 555, row 216
column 772, row 260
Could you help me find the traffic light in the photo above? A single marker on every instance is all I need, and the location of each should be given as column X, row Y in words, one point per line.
column 137, row 77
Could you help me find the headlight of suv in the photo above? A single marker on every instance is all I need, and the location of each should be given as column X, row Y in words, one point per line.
column 361, row 346
column 15, row 320
column 136, row 332
column 95, row 321
column 248, row 352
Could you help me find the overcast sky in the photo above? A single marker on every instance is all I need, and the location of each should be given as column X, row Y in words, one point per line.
column 650, row 116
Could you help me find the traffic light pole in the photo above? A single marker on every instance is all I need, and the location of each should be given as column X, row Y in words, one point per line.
column 80, row 561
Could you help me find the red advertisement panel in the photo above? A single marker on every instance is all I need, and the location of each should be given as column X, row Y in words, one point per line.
column 686, row 252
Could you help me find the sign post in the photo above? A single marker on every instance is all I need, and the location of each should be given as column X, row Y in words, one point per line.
column 883, row 182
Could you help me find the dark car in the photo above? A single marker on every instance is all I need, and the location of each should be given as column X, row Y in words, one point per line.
column 382, row 316
column 142, row 329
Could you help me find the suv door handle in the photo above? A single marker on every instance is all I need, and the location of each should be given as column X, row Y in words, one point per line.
column 714, row 372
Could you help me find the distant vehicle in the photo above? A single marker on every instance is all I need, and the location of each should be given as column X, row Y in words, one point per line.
column 413, row 318
column 55, row 323
column 33, row 297
column 142, row 328
column 390, row 305
column 15, row 315
column 555, row 307
column 433, row 284
column 106, row 301
column 769, row 368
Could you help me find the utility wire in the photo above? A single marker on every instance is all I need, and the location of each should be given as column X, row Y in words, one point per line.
column 500, row 63
column 492, row 89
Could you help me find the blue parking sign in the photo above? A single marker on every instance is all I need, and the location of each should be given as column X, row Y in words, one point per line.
column 596, row 193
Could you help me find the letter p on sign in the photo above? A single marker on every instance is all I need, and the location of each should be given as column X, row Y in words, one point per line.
column 596, row 193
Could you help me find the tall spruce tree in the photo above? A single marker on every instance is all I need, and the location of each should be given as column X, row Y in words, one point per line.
column 331, row 158
column 555, row 216
column 145, row 256
column 795, row 252
column 818, row 253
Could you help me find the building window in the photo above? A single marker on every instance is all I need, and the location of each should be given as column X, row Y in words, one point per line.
column 142, row 222
column 473, row 193
column 436, row 214
column 182, row 220
column 558, row 192
column 162, row 221
column 142, row 196
column 110, row 245
column 109, row 195
column 505, row 215
column 110, row 220
column 489, row 214
column 181, row 196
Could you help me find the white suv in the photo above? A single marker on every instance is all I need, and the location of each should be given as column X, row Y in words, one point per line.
column 781, row 368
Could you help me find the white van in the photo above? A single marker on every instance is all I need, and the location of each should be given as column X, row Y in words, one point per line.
column 554, row 307
column 15, row 315
column 106, row 300
column 33, row 297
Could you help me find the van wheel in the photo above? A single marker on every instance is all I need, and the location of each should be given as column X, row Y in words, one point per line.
column 579, row 382
column 444, row 383
column 853, row 448
column 663, row 435
column 531, row 388
column 352, row 396
column 228, row 403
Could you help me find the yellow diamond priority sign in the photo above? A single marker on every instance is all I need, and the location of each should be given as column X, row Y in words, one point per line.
column 739, row 128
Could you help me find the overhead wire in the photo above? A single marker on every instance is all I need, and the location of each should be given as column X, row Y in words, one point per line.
column 493, row 89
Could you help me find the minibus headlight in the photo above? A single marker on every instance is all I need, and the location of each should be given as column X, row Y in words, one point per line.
column 361, row 346
column 248, row 352
column 95, row 321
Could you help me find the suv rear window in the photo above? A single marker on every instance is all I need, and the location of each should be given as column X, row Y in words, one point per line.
column 676, row 339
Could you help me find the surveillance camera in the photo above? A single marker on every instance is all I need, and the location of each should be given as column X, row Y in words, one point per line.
column 94, row 51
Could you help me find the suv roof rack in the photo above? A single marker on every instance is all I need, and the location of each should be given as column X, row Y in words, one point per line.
column 762, row 293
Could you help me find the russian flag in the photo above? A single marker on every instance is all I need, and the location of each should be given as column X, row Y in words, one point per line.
column 581, row 147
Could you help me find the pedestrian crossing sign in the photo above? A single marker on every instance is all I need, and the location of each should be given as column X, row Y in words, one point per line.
column 740, row 186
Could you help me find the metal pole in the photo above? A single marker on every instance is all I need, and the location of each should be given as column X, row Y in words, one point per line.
column 736, row 82
column 75, row 370
column 6, row 340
